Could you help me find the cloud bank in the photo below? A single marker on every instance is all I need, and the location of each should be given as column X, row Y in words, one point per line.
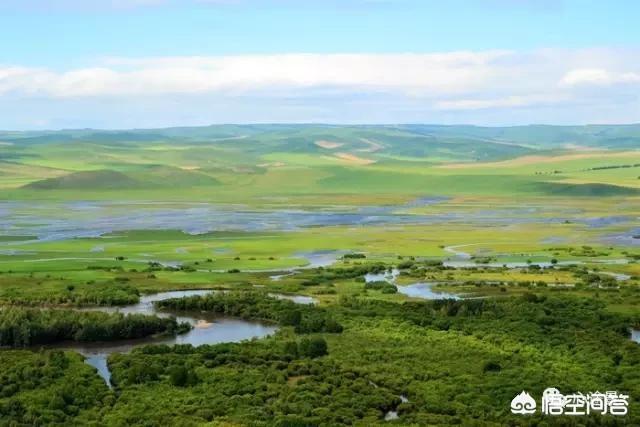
column 598, row 84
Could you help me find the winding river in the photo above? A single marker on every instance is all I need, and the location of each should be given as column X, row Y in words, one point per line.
column 422, row 290
column 207, row 329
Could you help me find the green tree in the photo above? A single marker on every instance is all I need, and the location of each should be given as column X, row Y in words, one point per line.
column 313, row 347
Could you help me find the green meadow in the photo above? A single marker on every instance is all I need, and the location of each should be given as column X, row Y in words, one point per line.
column 526, row 238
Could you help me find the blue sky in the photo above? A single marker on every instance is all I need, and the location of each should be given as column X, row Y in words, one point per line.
column 146, row 63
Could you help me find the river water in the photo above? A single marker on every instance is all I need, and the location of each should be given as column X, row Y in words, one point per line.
column 207, row 329
column 67, row 220
column 73, row 219
column 423, row 290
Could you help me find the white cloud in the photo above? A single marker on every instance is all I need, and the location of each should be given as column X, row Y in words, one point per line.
column 470, row 77
column 598, row 84
column 506, row 102
column 445, row 73
column 598, row 76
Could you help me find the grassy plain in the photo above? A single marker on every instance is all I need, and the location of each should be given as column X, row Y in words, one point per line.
column 402, row 196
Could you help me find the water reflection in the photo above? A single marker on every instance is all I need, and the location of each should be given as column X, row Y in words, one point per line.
column 386, row 276
column 208, row 328
column 425, row 291
column 298, row 299
column 415, row 290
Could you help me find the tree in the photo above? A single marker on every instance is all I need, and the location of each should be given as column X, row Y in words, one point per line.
column 291, row 349
column 181, row 376
column 313, row 347
column 178, row 376
column 291, row 318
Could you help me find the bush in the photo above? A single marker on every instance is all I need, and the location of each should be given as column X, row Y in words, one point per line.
column 181, row 376
column 260, row 306
column 313, row 347
column 21, row 327
column 382, row 286
column 492, row 367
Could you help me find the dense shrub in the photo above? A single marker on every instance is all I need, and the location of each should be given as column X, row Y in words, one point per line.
column 259, row 306
column 21, row 327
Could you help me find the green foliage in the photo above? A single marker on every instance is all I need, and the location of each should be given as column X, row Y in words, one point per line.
column 457, row 361
column 109, row 293
column 313, row 347
column 354, row 256
column 327, row 275
column 181, row 376
column 382, row 286
column 48, row 388
column 21, row 327
column 258, row 306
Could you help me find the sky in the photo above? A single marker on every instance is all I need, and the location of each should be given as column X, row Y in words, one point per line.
column 157, row 63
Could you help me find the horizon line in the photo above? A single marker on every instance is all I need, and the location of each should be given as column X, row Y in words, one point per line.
column 359, row 124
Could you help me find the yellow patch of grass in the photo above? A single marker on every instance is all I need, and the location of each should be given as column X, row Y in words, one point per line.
column 353, row 159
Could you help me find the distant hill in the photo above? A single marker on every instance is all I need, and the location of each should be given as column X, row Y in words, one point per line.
column 586, row 190
column 86, row 180
column 543, row 136
column 245, row 161
column 147, row 177
column 168, row 176
column 533, row 136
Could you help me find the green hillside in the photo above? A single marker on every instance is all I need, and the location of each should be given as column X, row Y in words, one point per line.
column 242, row 162
column 88, row 180
column 142, row 177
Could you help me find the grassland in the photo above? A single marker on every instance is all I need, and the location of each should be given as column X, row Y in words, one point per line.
column 294, row 161
column 98, row 218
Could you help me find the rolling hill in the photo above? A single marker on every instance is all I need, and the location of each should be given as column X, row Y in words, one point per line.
column 145, row 177
column 86, row 180
column 242, row 162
